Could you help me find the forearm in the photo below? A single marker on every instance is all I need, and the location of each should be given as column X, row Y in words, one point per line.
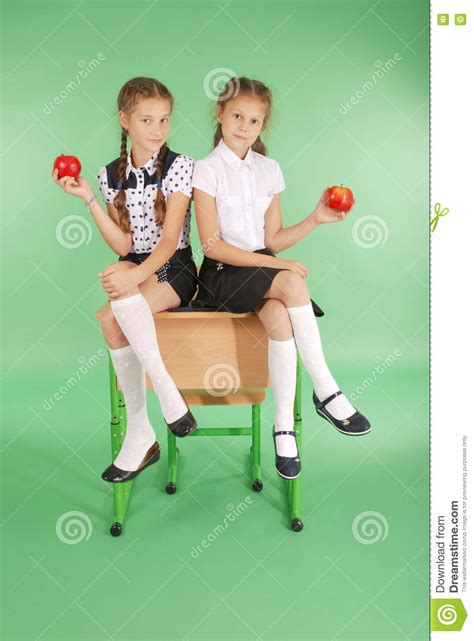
column 157, row 258
column 226, row 253
column 118, row 240
column 288, row 236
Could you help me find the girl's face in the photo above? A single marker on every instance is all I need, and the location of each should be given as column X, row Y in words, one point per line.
column 242, row 120
column 148, row 124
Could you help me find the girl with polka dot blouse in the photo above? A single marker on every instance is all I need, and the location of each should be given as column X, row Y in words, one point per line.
column 147, row 191
column 237, row 203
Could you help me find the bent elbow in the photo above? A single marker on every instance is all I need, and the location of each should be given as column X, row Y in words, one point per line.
column 123, row 249
column 269, row 245
column 208, row 252
column 211, row 249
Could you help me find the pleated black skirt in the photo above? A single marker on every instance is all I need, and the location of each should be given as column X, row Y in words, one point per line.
column 235, row 289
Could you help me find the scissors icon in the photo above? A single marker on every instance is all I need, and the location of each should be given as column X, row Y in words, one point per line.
column 438, row 213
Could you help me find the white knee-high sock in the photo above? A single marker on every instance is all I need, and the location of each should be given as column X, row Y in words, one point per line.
column 140, row 435
column 282, row 367
column 308, row 341
column 135, row 318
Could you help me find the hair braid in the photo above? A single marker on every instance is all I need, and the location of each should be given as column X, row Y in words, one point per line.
column 160, row 202
column 119, row 202
column 260, row 147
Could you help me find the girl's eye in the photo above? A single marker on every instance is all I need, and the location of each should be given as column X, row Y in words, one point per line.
column 146, row 120
column 164, row 120
column 237, row 115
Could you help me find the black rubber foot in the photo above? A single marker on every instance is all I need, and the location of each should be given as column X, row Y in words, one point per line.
column 116, row 529
column 170, row 488
column 257, row 486
column 297, row 525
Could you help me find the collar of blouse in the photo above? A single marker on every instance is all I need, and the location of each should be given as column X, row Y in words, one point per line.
column 149, row 166
column 232, row 159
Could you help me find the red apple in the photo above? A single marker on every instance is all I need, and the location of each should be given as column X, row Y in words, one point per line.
column 339, row 197
column 67, row 166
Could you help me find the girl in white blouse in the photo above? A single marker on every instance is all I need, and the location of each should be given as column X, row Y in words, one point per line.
column 147, row 191
column 237, row 204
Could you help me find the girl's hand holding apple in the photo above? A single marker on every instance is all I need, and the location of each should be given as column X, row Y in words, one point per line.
column 76, row 186
column 334, row 205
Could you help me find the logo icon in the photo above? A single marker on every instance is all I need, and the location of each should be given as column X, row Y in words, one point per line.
column 443, row 18
column 447, row 615
column 460, row 19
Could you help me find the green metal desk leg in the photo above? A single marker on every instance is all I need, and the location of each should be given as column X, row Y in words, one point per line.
column 118, row 429
column 294, row 487
column 257, row 484
column 172, row 464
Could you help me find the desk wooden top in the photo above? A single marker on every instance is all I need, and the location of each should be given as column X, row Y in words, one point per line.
column 185, row 314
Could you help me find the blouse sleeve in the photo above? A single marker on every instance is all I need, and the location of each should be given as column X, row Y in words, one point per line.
column 180, row 175
column 279, row 184
column 107, row 193
column 205, row 178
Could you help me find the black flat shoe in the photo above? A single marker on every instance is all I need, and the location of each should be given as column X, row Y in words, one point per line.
column 354, row 425
column 184, row 425
column 317, row 311
column 288, row 467
column 114, row 474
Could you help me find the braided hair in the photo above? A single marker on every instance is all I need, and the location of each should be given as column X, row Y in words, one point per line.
column 247, row 87
column 127, row 100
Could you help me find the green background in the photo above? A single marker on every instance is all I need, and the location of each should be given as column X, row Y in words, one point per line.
column 258, row 580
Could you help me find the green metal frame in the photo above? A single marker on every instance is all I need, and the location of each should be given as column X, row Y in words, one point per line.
column 118, row 427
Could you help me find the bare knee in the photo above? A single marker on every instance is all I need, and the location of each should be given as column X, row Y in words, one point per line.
column 275, row 319
column 290, row 288
column 121, row 264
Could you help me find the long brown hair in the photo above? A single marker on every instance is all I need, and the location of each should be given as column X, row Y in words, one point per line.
column 247, row 87
column 129, row 96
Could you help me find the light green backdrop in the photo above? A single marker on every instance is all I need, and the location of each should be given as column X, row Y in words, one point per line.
column 370, row 275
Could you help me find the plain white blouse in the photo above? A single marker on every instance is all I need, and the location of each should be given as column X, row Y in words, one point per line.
column 243, row 190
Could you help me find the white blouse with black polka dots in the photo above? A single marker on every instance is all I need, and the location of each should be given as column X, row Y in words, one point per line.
column 140, row 193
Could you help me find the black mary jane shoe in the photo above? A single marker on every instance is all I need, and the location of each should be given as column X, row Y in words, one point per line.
column 114, row 474
column 184, row 425
column 355, row 425
column 288, row 467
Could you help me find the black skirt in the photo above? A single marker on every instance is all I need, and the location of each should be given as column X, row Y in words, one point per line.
column 235, row 289
column 179, row 271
